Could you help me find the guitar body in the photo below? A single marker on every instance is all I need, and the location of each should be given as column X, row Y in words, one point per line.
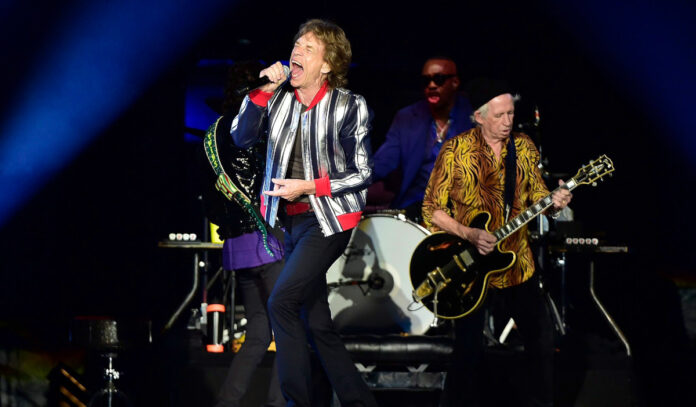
column 466, row 279
column 448, row 274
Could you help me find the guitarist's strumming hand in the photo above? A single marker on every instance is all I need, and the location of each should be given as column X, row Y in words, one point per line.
column 484, row 241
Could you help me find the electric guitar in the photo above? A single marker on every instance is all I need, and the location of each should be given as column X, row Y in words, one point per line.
column 450, row 276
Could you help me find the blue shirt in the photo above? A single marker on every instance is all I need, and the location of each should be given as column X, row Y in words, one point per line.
column 416, row 191
column 409, row 145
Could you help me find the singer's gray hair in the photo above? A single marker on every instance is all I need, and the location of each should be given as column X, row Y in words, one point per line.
column 483, row 110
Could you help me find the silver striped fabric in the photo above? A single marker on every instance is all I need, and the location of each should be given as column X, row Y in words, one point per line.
column 335, row 143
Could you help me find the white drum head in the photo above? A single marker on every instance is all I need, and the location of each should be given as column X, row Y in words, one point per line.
column 370, row 287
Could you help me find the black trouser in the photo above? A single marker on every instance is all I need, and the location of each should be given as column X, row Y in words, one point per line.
column 527, row 306
column 255, row 285
column 300, row 314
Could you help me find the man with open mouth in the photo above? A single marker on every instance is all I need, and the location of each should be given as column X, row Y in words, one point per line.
column 418, row 131
column 318, row 167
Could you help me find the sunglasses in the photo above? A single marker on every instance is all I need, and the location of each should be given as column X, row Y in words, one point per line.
column 438, row 78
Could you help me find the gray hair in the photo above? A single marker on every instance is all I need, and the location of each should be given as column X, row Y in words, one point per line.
column 483, row 110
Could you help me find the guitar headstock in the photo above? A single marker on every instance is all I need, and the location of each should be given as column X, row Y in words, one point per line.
column 595, row 170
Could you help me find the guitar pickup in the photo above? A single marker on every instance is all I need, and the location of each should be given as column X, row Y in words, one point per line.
column 434, row 279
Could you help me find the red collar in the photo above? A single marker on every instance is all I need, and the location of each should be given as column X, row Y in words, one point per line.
column 322, row 91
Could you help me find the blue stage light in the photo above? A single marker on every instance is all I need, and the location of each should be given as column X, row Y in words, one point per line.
column 91, row 68
column 646, row 47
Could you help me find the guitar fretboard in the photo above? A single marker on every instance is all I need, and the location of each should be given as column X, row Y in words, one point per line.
column 530, row 213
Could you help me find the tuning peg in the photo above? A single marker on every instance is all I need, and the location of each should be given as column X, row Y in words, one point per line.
column 594, row 184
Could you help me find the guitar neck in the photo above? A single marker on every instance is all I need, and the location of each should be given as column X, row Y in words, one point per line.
column 530, row 213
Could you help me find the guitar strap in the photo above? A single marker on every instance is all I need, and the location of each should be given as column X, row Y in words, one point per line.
column 510, row 176
column 225, row 185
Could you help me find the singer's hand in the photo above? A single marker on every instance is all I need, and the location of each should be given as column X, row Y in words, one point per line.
column 291, row 189
column 276, row 74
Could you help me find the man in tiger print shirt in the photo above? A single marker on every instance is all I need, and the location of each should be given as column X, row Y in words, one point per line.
column 469, row 177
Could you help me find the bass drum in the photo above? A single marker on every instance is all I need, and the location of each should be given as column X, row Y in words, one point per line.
column 369, row 284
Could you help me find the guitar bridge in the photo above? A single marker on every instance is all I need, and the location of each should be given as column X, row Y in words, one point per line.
column 434, row 279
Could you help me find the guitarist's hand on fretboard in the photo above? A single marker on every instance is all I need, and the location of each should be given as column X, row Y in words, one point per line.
column 561, row 197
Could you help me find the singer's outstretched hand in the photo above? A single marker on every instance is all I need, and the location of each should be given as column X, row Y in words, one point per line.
column 276, row 74
column 291, row 189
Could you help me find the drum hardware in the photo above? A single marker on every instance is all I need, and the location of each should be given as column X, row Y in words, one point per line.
column 396, row 213
column 108, row 337
column 350, row 252
column 374, row 282
column 109, row 395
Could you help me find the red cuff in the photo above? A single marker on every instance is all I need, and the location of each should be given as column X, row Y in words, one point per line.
column 259, row 97
column 322, row 186
column 349, row 220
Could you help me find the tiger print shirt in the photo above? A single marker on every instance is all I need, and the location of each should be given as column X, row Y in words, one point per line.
column 468, row 179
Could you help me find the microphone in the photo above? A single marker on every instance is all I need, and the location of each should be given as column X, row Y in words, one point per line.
column 258, row 82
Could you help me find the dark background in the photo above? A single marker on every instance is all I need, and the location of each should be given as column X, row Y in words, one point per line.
column 86, row 242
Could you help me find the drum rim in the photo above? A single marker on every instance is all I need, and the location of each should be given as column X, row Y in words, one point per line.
column 399, row 217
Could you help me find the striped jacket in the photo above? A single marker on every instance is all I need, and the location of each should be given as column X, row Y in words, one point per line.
column 335, row 149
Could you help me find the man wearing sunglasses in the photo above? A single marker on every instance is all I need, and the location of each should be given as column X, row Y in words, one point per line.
column 418, row 131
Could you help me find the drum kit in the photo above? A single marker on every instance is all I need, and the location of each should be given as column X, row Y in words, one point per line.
column 369, row 285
